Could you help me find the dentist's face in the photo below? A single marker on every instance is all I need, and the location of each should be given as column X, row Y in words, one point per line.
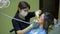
column 24, row 12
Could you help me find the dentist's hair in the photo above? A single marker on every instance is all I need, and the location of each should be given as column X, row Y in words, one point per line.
column 22, row 5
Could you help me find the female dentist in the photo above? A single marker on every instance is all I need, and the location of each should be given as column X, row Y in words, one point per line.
column 24, row 15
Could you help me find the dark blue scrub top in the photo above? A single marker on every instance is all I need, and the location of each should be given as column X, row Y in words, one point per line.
column 18, row 25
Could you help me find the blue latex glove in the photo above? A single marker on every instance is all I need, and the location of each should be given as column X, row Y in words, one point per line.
column 35, row 24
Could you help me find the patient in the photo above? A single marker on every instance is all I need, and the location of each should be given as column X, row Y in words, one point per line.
column 45, row 21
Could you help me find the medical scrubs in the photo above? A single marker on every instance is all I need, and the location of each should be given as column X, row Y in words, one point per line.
column 18, row 25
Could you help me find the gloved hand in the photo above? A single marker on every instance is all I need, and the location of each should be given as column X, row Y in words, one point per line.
column 37, row 13
column 35, row 24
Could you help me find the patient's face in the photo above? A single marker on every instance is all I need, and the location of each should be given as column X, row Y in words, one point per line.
column 41, row 19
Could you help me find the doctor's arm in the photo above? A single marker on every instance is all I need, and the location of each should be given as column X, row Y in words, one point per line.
column 25, row 30
column 33, row 14
column 17, row 28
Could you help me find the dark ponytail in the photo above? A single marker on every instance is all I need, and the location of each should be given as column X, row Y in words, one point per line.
column 16, row 15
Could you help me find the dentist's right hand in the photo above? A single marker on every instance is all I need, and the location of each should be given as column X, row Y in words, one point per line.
column 34, row 24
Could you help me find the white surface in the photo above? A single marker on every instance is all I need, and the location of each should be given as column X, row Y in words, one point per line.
column 4, row 3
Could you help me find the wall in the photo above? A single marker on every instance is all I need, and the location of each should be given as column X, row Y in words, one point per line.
column 59, row 10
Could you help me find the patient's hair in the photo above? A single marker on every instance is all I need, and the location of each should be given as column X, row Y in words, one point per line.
column 48, row 20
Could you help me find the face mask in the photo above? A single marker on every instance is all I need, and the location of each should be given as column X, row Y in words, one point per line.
column 23, row 13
